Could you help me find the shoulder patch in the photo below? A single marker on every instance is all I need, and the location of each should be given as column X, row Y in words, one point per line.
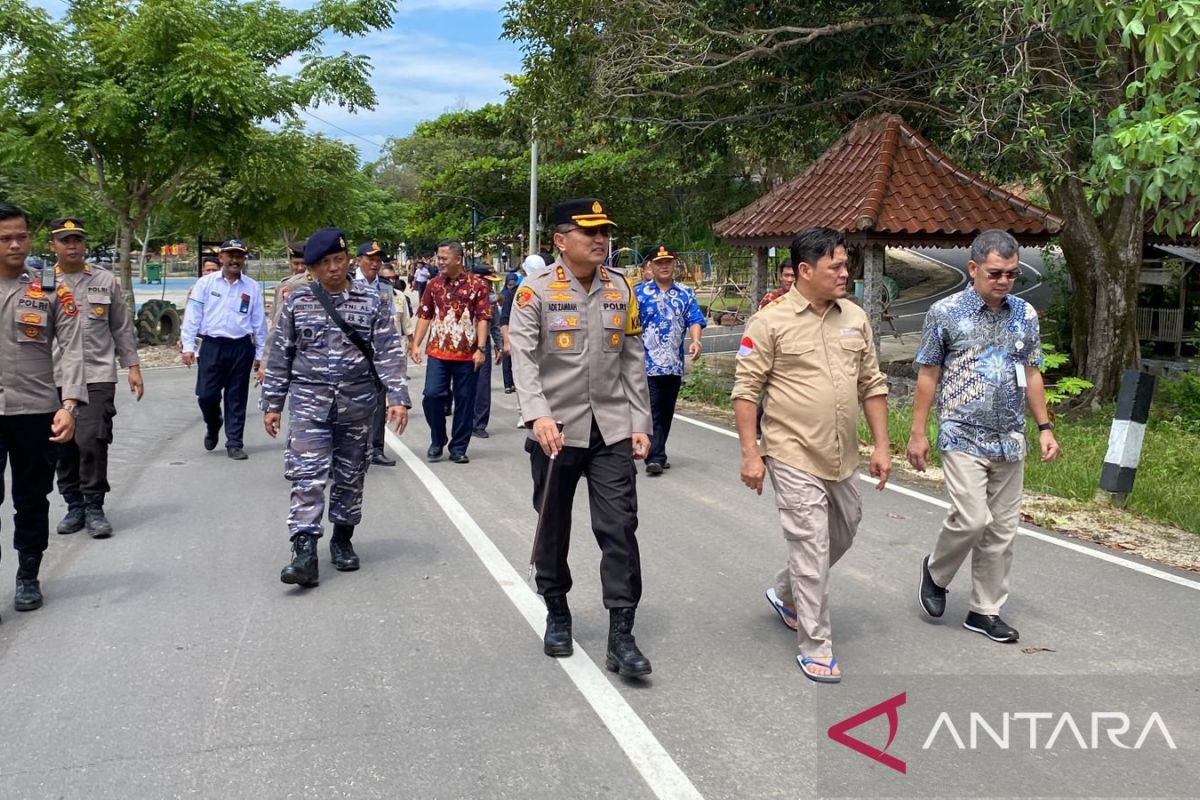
column 67, row 299
column 746, row 347
column 524, row 296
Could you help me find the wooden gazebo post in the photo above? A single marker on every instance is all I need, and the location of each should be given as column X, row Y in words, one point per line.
column 758, row 276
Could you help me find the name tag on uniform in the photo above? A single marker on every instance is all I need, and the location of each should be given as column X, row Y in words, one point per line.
column 1020, row 370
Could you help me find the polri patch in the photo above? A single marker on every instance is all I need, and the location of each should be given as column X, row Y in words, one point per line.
column 564, row 341
column 524, row 296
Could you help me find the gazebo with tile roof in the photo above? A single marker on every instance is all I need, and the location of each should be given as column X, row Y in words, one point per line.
column 884, row 184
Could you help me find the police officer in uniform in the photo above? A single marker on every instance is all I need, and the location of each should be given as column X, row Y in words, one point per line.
column 107, row 337
column 40, row 315
column 578, row 360
column 298, row 277
column 333, row 396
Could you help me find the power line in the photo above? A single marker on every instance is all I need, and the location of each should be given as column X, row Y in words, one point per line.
column 375, row 145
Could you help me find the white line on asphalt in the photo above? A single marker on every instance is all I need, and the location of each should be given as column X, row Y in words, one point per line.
column 651, row 759
column 1054, row 540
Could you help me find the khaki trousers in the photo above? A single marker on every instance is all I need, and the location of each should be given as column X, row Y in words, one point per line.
column 819, row 520
column 985, row 510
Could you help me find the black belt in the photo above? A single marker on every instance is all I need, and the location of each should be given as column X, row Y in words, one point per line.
column 205, row 338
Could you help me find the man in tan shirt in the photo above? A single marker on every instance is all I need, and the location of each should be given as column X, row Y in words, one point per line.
column 108, row 337
column 578, row 360
column 813, row 351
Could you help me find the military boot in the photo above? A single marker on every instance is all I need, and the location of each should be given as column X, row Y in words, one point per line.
column 74, row 520
column 303, row 569
column 557, row 641
column 29, row 591
column 623, row 656
column 98, row 526
column 341, row 552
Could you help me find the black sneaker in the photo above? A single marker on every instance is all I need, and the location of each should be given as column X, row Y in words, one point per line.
column 931, row 596
column 991, row 626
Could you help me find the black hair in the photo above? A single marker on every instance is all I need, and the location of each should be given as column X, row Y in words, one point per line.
column 787, row 263
column 9, row 211
column 400, row 284
column 454, row 245
column 813, row 244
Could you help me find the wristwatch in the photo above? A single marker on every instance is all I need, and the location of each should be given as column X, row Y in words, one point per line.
column 1046, row 426
column 72, row 409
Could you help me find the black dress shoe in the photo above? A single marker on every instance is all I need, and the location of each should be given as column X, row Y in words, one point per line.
column 509, row 389
column 931, row 596
column 237, row 453
column 381, row 458
column 654, row 469
column 666, row 465
column 433, row 454
column 210, row 440
column 991, row 626
column 557, row 641
column 479, row 433
column 460, row 458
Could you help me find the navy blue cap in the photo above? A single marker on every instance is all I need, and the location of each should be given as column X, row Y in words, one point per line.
column 296, row 249
column 322, row 243
column 371, row 249
column 233, row 244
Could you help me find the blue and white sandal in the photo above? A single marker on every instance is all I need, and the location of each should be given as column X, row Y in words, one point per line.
column 786, row 615
column 805, row 662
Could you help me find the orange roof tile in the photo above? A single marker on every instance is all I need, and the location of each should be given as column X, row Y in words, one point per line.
column 883, row 180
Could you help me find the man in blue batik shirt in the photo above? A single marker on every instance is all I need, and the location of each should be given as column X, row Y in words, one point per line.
column 669, row 310
column 980, row 351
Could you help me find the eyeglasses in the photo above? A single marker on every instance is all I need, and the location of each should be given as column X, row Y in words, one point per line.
column 600, row 230
column 994, row 275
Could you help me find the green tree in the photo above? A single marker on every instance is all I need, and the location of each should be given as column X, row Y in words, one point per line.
column 134, row 99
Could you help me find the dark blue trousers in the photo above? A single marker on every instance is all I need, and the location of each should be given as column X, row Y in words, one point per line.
column 483, row 392
column 223, row 372
column 442, row 378
column 664, row 392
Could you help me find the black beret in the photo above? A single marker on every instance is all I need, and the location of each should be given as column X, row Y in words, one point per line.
column 322, row 243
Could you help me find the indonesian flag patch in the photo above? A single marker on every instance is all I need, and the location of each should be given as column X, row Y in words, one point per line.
column 746, row 348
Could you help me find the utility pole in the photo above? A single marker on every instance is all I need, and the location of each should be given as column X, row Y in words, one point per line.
column 534, row 233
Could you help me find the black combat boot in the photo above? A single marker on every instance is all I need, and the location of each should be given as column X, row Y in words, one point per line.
column 623, row 656
column 29, row 591
column 557, row 641
column 341, row 552
column 98, row 526
column 74, row 520
column 303, row 569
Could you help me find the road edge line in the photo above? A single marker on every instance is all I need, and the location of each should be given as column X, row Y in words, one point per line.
column 1136, row 566
column 632, row 735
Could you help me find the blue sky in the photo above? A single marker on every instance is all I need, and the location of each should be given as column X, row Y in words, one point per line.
column 438, row 55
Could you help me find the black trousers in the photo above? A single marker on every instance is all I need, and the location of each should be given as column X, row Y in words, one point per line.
column 224, row 373
column 25, row 443
column 664, row 392
column 506, row 367
column 83, row 461
column 612, row 494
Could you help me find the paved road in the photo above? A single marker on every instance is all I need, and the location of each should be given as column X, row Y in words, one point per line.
column 169, row 661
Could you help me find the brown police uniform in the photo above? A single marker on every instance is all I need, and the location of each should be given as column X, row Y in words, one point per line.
column 108, row 338
column 577, row 358
column 37, row 315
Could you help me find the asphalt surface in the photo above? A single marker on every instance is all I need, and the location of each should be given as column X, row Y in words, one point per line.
column 169, row 661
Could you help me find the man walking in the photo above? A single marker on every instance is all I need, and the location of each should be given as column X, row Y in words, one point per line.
column 980, row 353
column 670, row 315
column 813, row 351
column 578, row 361
column 226, row 311
column 455, row 313
column 369, row 261
column 335, row 346
column 483, row 378
column 43, row 317
column 107, row 337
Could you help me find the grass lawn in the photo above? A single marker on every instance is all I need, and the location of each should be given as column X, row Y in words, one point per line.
column 1167, row 488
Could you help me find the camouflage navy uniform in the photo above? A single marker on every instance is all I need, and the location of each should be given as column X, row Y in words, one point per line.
column 332, row 398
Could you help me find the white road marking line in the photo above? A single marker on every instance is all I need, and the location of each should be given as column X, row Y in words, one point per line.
column 1054, row 540
column 648, row 756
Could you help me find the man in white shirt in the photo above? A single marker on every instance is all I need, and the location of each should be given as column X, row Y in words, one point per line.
column 225, row 310
column 369, row 260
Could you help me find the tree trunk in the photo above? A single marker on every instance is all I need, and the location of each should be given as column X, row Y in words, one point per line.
column 873, row 256
column 1104, row 259
column 125, row 228
column 758, row 277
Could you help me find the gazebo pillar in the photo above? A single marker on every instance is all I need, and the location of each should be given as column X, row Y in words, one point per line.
column 873, row 258
column 758, row 276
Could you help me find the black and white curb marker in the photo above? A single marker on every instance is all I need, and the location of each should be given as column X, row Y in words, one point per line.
column 1125, row 438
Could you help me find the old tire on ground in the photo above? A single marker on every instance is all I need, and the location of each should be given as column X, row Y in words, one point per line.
column 158, row 323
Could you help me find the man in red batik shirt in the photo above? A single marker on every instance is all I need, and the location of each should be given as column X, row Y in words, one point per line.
column 454, row 312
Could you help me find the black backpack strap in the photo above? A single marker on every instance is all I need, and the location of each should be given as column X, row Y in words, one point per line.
column 355, row 338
